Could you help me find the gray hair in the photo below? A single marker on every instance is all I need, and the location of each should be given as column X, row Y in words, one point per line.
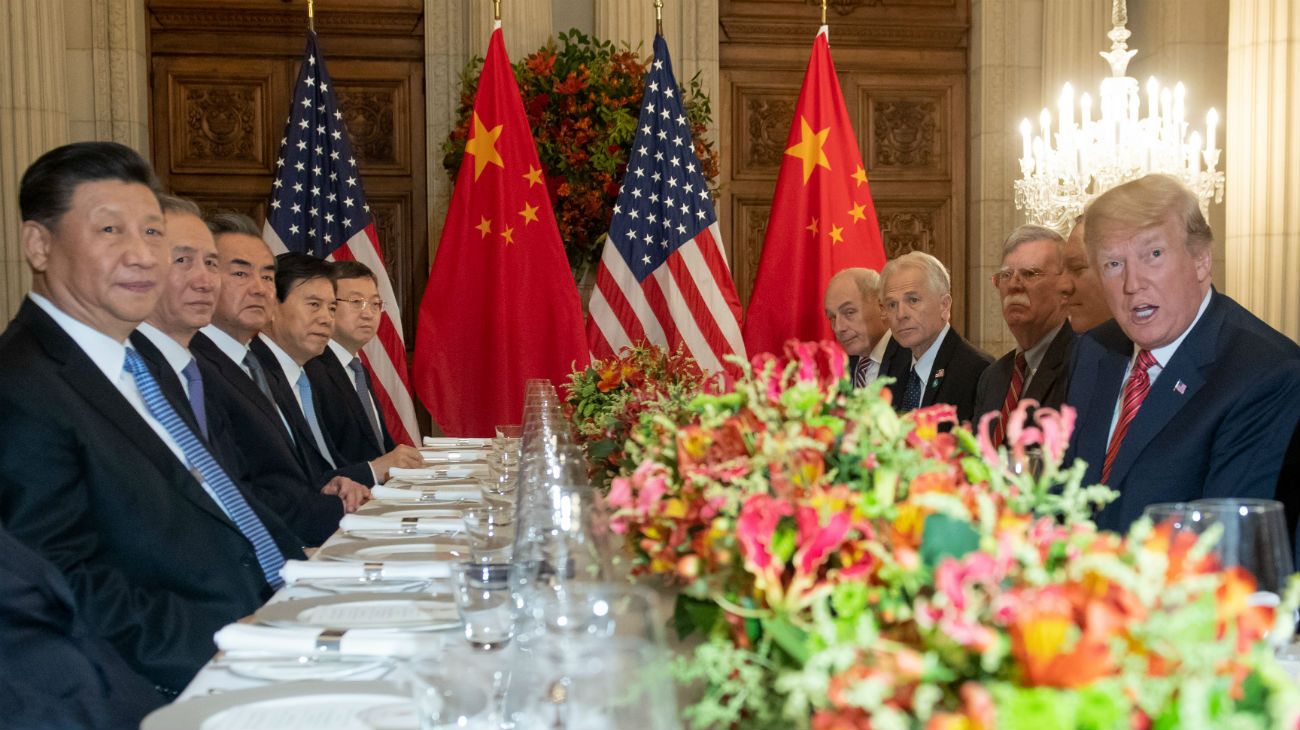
column 867, row 281
column 229, row 221
column 176, row 204
column 1029, row 233
column 936, row 274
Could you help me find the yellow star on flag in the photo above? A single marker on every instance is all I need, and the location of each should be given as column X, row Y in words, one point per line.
column 812, row 227
column 859, row 212
column 483, row 145
column 484, row 226
column 533, row 176
column 529, row 213
column 509, row 235
column 837, row 234
column 810, row 148
column 860, row 175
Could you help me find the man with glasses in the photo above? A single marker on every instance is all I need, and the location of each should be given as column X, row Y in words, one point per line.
column 1028, row 284
column 350, row 413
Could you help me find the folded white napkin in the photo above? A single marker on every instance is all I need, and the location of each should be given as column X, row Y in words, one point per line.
column 434, row 456
column 302, row 641
column 451, row 442
column 437, row 493
column 420, row 525
column 439, row 472
column 300, row 570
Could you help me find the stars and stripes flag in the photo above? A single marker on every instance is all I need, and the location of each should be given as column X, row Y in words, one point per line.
column 318, row 207
column 663, row 276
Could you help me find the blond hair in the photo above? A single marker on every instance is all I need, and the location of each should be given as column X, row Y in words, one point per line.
column 1148, row 202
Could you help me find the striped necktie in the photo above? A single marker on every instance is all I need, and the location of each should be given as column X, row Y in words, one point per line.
column 1013, row 397
column 1135, row 391
column 860, row 372
column 232, row 500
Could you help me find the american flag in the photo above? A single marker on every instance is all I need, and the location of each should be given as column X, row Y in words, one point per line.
column 318, row 207
column 663, row 275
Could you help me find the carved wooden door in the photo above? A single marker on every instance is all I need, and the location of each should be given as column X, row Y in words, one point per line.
column 902, row 65
column 221, row 74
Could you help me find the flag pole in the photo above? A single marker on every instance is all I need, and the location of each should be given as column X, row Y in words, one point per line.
column 311, row 15
column 823, row 12
column 496, row 10
column 659, row 17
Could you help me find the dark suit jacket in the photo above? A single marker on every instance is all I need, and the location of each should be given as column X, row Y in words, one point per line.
column 341, row 412
column 1047, row 386
column 1216, row 422
column 318, row 466
column 54, row 672
column 85, row 481
column 957, row 369
column 268, row 459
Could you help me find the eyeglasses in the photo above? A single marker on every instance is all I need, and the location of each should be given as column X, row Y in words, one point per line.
column 1028, row 276
column 360, row 305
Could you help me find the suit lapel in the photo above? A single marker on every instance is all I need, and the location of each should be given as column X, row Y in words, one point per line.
column 938, row 373
column 288, row 402
column 338, row 377
column 1049, row 370
column 1096, row 415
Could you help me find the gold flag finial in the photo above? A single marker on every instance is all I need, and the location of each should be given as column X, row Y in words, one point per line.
column 311, row 15
column 496, row 10
column 659, row 17
column 823, row 12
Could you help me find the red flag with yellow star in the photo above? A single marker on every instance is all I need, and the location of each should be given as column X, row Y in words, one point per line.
column 822, row 217
column 501, row 306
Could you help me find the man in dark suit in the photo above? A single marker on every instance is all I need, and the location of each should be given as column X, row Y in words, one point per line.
column 853, row 307
column 299, row 331
column 1085, row 305
column 55, row 673
column 1029, row 286
column 98, row 473
column 349, row 413
column 1185, row 394
column 934, row 364
column 310, row 503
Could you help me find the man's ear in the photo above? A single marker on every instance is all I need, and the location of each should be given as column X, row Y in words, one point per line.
column 37, row 240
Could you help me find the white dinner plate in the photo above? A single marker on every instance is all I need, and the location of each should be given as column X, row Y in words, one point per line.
column 424, row 547
column 363, row 611
column 292, row 706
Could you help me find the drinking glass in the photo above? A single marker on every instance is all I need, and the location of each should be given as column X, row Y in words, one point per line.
column 1253, row 537
column 510, row 431
column 485, row 603
column 445, row 696
column 491, row 532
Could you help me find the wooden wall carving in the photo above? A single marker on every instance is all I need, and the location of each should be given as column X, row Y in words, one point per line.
column 222, row 72
column 902, row 66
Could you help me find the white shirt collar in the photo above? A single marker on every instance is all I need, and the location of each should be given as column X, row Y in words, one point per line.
column 1034, row 355
column 176, row 354
column 108, row 354
column 292, row 370
column 877, row 354
column 234, row 349
column 1164, row 354
column 341, row 353
column 925, row 363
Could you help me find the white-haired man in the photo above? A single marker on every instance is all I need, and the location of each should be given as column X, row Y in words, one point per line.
column 853, row 307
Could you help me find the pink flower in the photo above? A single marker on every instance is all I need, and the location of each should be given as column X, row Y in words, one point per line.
column 984, row 435
column 651, row 492
column 620, row 492
column 816, row 540
column 1056, row 427
column 755, row 527
column 805, row 354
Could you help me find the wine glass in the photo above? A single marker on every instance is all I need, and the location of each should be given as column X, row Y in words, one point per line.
column 1253, row 537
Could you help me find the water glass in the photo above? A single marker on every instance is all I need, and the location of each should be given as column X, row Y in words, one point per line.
column 491, row 532
column 510, row 431
column 485, row 603
column 1253, row 537
column 445, row 697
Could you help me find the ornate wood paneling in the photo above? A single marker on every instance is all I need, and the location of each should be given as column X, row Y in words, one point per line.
column 902, row 68
column 222, row 74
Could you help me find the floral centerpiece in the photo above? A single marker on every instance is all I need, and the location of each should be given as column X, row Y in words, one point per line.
column 582, row 97
column 608, row 398
column 853, row 569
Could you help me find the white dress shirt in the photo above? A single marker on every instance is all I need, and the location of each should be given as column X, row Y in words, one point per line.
column 109, row 355
column 177, row 355
column 1162, row 356
column 875, row 357
column 925, row 364
column 232, row 348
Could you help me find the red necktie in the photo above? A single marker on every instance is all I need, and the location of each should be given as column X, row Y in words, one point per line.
column 1013, row 397
column 1135, row 391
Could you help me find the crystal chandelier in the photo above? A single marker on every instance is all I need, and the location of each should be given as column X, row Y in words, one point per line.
column 1090, row 156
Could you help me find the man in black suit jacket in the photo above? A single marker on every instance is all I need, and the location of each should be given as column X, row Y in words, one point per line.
column 349, row 412
column 933, row 363
column 54, row 672
column 852, row 305
column 90, row 477
column 299, row 331
column 1029, row 286
column 276, row 468
column 1186, row 394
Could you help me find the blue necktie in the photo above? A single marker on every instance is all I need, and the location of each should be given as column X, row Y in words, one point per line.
column 911, row 392
column 232, row 501
column 363, row 393
column 195, row 380
column 309, row 410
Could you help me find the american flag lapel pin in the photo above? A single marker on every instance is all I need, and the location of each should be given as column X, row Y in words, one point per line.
column 937, row 377
column 1180, row 387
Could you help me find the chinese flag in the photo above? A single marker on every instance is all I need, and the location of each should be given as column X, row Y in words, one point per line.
column 822, row 218
column 501, row 305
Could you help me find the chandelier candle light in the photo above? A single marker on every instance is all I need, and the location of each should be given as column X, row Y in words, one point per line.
column 1093, row 155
